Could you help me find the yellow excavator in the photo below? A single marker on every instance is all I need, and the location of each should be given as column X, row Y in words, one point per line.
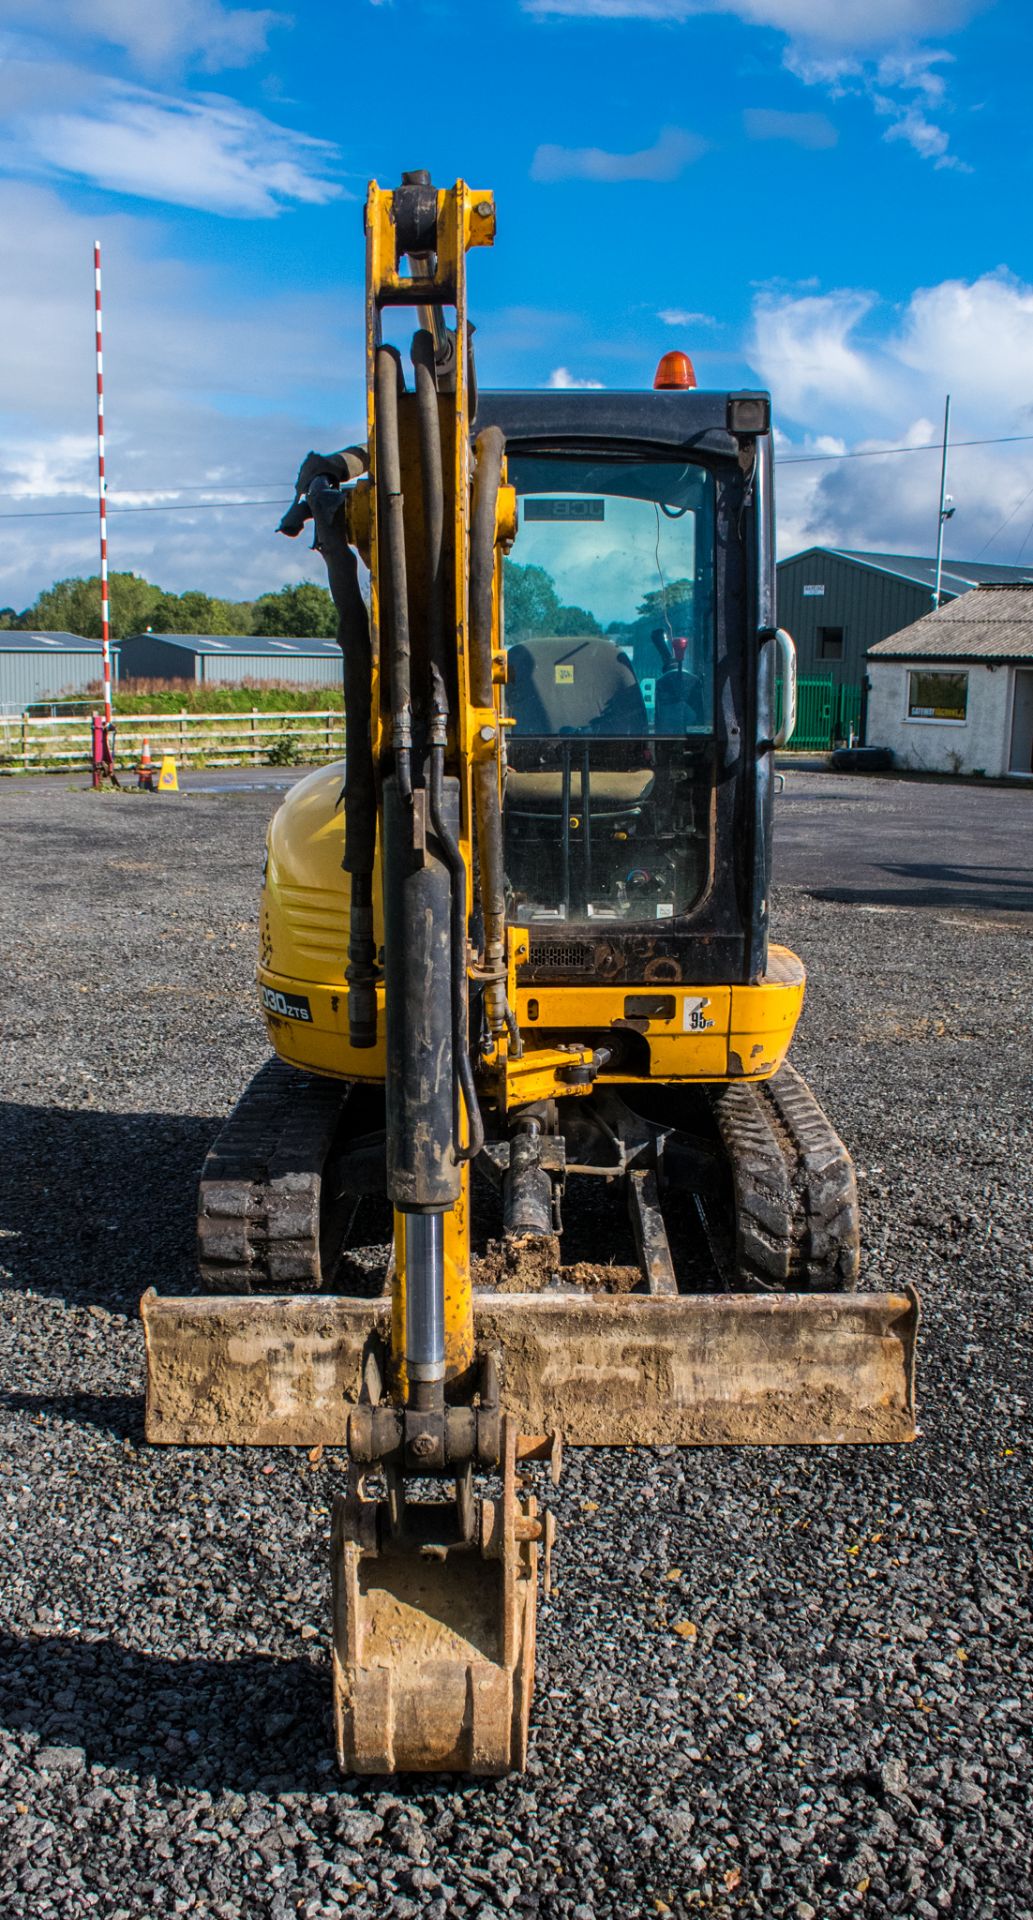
column 529, row 1030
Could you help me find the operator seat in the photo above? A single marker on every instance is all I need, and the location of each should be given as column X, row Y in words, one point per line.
column 575, row 687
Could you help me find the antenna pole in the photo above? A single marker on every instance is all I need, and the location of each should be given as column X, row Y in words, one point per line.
column 943, row 501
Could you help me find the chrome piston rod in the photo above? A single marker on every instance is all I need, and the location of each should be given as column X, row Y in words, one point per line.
column 425, row 1298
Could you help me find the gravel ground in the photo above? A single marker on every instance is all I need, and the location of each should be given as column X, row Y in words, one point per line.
column 848, row 1727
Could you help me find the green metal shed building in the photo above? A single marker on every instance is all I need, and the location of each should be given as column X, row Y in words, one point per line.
column 838, row 603
column 221, row 658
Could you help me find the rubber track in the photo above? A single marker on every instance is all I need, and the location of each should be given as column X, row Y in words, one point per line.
column 796, row 1219
column 258, row 1224
column 796, row 1212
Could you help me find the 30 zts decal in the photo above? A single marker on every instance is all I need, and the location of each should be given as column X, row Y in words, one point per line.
column 290, row 1006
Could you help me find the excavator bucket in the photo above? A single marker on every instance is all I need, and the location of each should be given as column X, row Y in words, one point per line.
column 434, row 1633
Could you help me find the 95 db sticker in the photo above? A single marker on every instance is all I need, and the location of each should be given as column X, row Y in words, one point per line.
column 290, row 1006
column 694, row 1016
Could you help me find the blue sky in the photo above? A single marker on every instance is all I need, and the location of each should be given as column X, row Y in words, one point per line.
column 825, row 196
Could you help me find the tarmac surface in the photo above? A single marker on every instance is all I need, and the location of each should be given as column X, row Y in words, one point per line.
column 918, row 843
column 791, row 1683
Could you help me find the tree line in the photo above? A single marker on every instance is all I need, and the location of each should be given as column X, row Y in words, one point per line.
column 303, row 611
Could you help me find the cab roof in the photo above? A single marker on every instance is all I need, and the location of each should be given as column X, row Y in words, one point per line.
column 687, row 420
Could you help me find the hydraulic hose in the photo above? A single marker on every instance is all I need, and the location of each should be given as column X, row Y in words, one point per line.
column 360, row 807
column 489, row 449
column 457, row 871
column 429, row 423
column 391, row 509
column 429, row 419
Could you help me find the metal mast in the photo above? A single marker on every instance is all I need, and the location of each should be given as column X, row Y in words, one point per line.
column 944, row 514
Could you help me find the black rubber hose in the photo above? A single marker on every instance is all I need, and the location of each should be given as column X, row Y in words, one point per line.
column 360, row 805
column 460, row 1011
column 429, row 422
column 471, row 373
column 391, row 516
column 489, row 449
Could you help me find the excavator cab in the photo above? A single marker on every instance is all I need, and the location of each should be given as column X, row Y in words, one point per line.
column 637, row 789
column 515, row 967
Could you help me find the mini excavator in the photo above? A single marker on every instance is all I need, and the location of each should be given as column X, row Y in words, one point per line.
column 529, row 1030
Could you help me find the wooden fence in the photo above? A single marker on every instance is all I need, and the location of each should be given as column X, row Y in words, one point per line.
column 196, row 739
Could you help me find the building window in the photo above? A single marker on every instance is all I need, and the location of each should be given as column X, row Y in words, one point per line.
column 830, row 643
column 938, row 696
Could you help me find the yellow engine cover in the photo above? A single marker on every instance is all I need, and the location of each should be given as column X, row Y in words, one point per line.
column 303, row 933
column 697, row 1033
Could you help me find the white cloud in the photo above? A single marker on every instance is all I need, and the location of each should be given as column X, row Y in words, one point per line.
column 880, row 380
column 913, row 70
column 838, row 73
column 562, row 377
column 855, row 23
column 928, row 140
column 977, row 334
column 670, row 154
column 889, row 84
column 805, row 346
column 156, row 34
column 681, row 317
column 869, row 47
column 811, row 130
column 672, row 10
column 203, row 390
column 907, row 74
column 204, row 151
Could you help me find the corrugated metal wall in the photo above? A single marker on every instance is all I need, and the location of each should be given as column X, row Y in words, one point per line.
column 306, row 670
column 866, row 603
column 147, row 656
column 25, row 677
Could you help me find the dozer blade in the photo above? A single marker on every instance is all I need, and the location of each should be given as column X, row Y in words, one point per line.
column 732, row 1369
column 434, row 1635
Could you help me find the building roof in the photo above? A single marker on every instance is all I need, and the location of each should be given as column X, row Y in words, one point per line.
column 993, row 623
column 957, row 576
column 275, row 645
column 17, row 640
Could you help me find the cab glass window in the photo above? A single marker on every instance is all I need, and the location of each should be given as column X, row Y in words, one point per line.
column 608, row 615
column 620, row 553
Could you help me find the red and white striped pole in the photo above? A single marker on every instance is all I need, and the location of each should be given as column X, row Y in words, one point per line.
column 105, row 612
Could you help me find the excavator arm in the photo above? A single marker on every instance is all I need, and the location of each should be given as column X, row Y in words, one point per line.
column 434, row 1600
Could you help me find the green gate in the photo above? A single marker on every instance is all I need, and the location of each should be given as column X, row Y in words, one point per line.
column 825, row 715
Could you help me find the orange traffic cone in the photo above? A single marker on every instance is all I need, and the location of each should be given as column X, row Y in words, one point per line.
column 145, row 772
